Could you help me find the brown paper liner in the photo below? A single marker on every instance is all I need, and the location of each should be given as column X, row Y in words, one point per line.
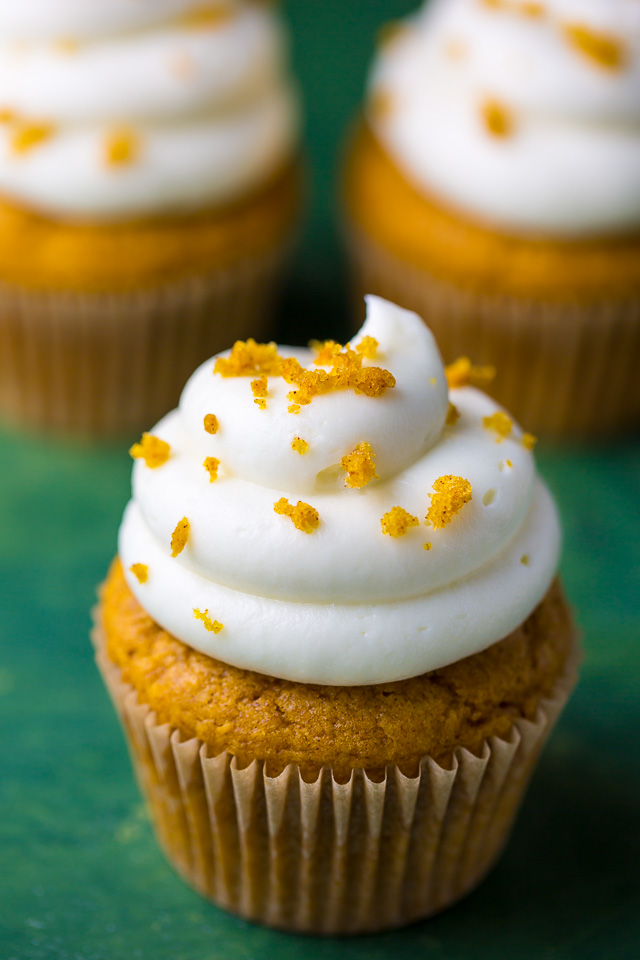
column 97, row 363
column 327, row 857
column 564, row 369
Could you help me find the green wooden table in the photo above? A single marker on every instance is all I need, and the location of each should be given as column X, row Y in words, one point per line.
column 81, row 877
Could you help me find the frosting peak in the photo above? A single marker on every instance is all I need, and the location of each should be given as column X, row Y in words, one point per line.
column 524, row 113
column 362, row 539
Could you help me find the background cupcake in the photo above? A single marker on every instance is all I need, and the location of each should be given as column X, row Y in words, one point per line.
column 148, row 190
column 495, row 187
column 333, row 634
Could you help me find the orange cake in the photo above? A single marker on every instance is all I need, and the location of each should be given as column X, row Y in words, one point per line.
column 149, row 190
column 488, row 189
column 334, row 632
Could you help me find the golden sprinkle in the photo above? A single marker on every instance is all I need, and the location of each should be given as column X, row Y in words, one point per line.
column 7, row 115
column 207, row 16
column 529, row 441
column 601, row 49
column 211, row 423
column 299, row 445
column 261, row 402
column 529, row 8
column 500, row 423
column 152, row 450
column 140, row 572
column 121, row 148
column 427, row 546
column 303, row 516
column 211, row 464
column 368, row 348
column 432, row 381
column 397, row 522
column 213, row 626
column 453, row 415
column 524, row 559
column 346, row 373
column 360, row 466
column 27, row 136
column 259, row 390
column 508, row 463
column 250, row 359
column 179, row 537
column 294, row 408
column 449, row 496
column 497, row 119
column 463, row 373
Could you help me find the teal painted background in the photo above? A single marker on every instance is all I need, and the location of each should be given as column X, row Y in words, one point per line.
column 80, row 875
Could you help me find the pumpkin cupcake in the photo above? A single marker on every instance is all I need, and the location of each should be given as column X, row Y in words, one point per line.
column 494, row 186
column 148, row 191
column 333, row 632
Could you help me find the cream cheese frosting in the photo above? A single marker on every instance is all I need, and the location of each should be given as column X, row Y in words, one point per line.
column 524, row 113
column 200, row 94
column 345, row 604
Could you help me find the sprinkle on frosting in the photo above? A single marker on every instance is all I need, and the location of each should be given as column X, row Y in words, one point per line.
column 500, row 423
column 397, row 522
column 250, row 359
column 294, row 408
column 260, row 391
column 528, row 8
column 207, row 16
column 449, row 497
column 303, row 516
column 360, row 466
column 211, row 464
column 179, row 537
column 528, row 442
column 601, row 49
column 121, row 148
column 463, row 373
column 211, row 423
column 299, row 445
column 140, row 572
column 453, row 415
column 213, row 626
column 368, row 348
column 29, row 135
column 524, row 560
column 7, row 115
column 427, row 546
column 346, row 373
column 497, row 119
column 152, row 450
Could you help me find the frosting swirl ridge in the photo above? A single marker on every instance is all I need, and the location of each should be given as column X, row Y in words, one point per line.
column 361, row 598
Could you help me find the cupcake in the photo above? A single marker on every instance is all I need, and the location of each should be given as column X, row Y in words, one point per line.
column 149, row 186
column 494, row 186
column 334, row 632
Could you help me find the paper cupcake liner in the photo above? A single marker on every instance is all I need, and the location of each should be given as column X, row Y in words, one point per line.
column 564, row 368
column 327, row 857
column 109, row 363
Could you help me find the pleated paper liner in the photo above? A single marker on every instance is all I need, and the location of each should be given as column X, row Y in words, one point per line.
column 564, row 369
column 107, row 364
column 327, row 857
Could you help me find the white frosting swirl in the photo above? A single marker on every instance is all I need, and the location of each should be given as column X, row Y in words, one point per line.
column 345, row 604
column 571, row 162
column 210, row 106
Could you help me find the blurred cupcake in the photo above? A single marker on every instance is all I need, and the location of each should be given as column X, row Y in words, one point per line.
column 334, row 633
column 149, row 186
column 494, row 186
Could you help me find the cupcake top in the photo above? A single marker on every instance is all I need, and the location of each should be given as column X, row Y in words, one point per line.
column 339, row 515
column 524, row 113
column 131, row 107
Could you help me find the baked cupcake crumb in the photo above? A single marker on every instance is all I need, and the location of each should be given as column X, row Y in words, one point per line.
column 211, row 465
column 528, row 441
column 249, row 359
column 360, row 466
column 152, row 450
column 121, row 148
column 211, row 423
column 179, row 537
column 299, row 445
column 213, row 626
column 140, row 572
column 449, row 497
column 601, row 49
column 463, row 373
column 500, row 423
column 397, row 522
column 303, row 516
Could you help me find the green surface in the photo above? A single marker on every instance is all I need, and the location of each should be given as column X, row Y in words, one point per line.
column 80, row 875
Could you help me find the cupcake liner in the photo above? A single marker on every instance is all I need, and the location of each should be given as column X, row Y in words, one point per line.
column 564, row 368
column 329, row 857
column 108, row 363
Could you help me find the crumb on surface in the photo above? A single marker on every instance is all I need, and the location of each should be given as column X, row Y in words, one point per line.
column 213, row 626
column 463, row 373
column 207, row 16
column 453, row 415
column 347, row 372
column 501, row 423
column 140, row 572
column 294, row 408
column 152, row 450
column 397, row 522
column 303, row 516
column 211, row 423
column 525, row 8
column 26, row 136
column 450, row 493
column 211, row 465
column 602, row 49
column 427, row 546
column 299, row 445
column 524, row 559
column 529, row 441
column 497, row 119
column 250, row 359
column 368, row 348
column 179, row 537
column 360, row 466
column 121, row 148
column 259, row 387
column 508, row 463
